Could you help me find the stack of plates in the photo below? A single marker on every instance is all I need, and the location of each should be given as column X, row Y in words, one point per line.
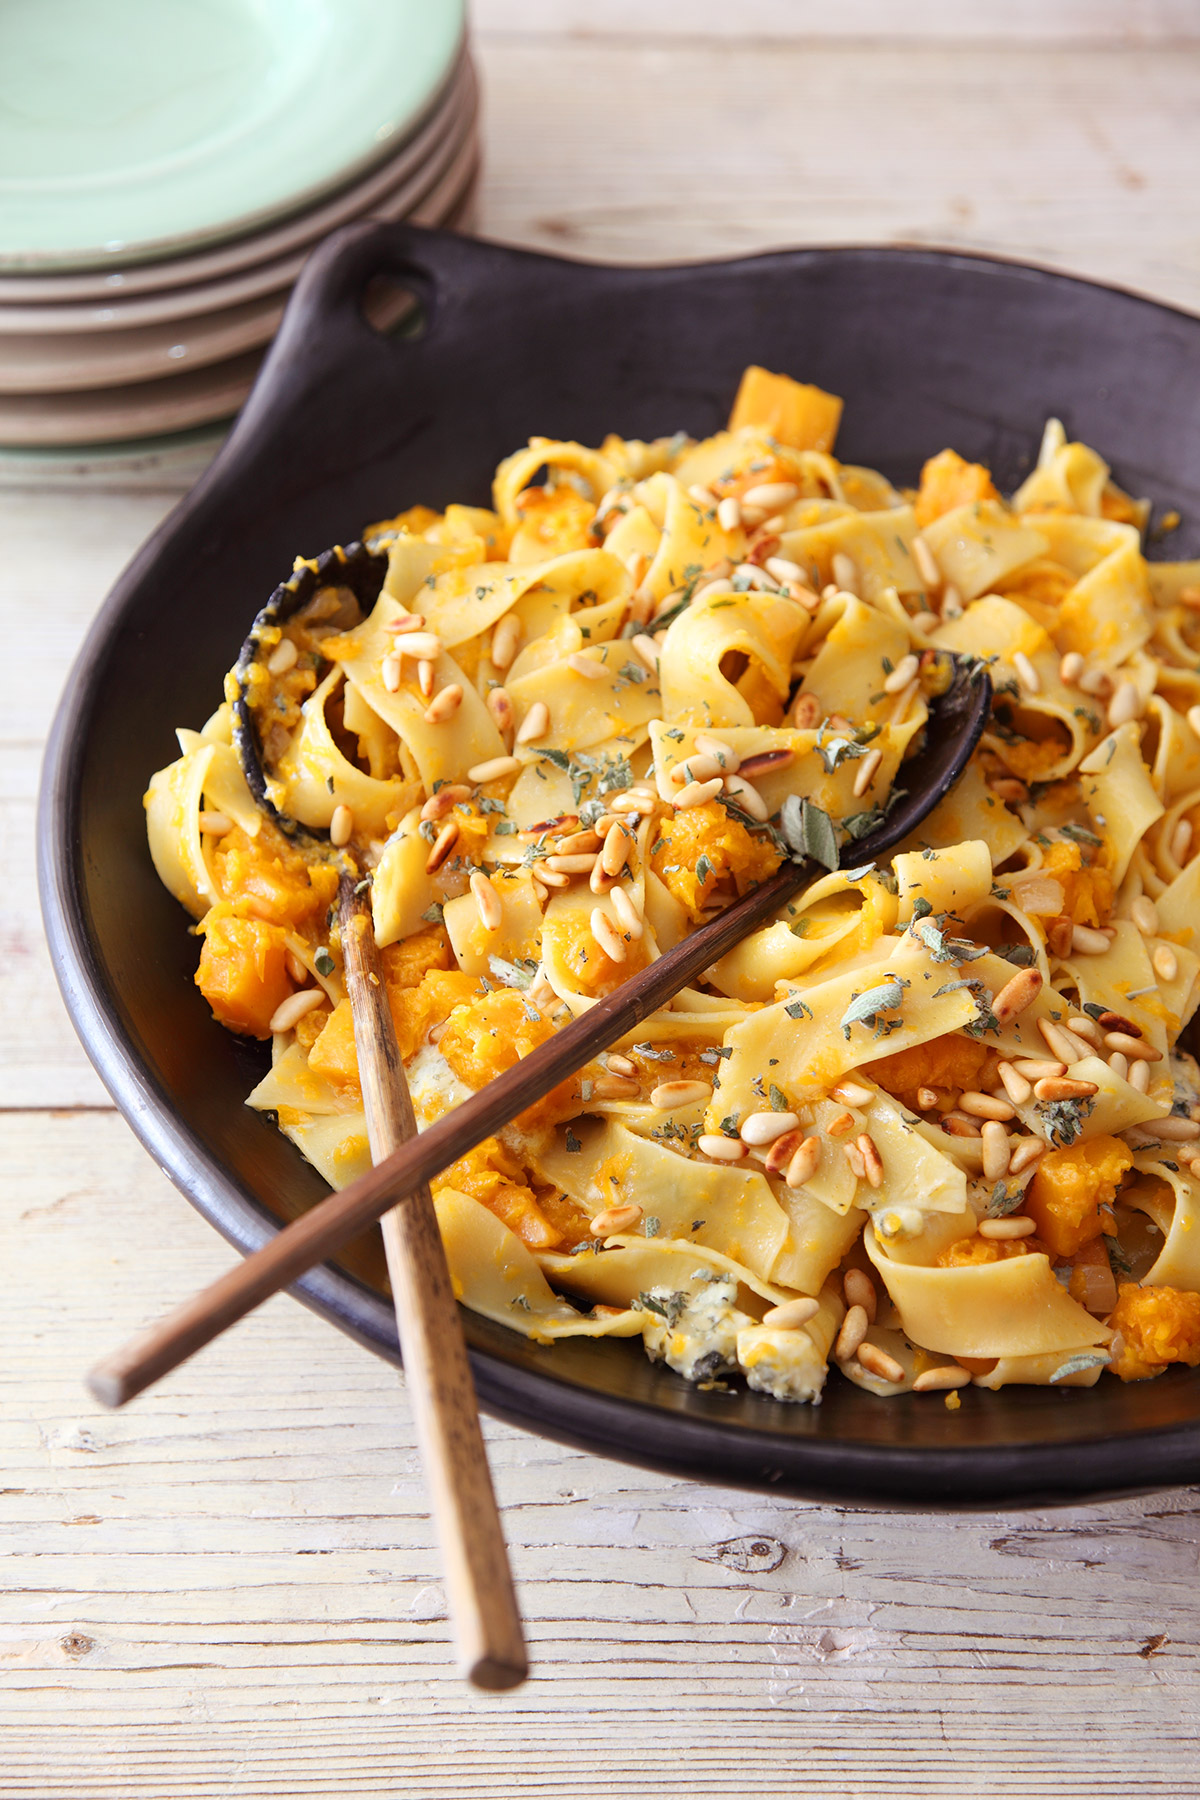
column 167, row 165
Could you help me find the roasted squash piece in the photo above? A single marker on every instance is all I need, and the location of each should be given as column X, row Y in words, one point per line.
column 1069, row 1188
column 947, row 481
column 702, row 846
column 792, row 412
column 243, row 971
column 1158, row 1325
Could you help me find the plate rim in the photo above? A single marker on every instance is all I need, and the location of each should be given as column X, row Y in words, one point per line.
column 844, row 1470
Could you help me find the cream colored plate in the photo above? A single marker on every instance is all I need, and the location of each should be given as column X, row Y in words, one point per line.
column 197, row 396
column 256, row 256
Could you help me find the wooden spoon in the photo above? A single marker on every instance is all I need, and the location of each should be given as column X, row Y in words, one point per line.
column 956, row 723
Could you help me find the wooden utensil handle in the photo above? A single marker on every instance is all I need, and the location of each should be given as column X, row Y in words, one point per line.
column 482, row 1603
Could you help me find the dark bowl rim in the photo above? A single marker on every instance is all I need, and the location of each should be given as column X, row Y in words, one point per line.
column 622, row 1427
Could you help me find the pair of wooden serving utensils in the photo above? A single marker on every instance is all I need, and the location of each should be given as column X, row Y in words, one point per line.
column 483, row 1608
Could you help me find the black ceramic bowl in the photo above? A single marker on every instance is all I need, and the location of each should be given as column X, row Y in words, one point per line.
column 346, row 425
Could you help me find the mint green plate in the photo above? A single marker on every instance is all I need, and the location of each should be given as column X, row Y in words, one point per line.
column 138, row 129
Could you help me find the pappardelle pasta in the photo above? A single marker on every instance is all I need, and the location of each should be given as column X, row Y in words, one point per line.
column 932, row 1123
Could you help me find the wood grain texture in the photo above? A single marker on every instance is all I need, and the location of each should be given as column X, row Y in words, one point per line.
column 229, row 1590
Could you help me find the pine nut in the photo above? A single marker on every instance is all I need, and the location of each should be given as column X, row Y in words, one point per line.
column 852, row 1333
column 500, row 706
column 697, row 793
column 443, row 843
column 570, row 865
column 1144, row 914
column 927, row 1098
column 297, row 970
column 994, row 1144
column 859, row 1290
column 904, row 702
column 1070, row 668
column 778, row 1155
column 487, row 901
column 422, row 646
column 579, row 842
column 1017, row 1225
column 721, row 1149
column 405, row 623
column 1193, row 718
column 598, row 881
column 872, row 1161
column 1086, row 941
column 495, row 769
column 985, row 1106
column 877, row 1362
column 616, row 1221
column 701, row 495
column 293, row 1009
column 792, row 1314
column 952, row 606
column 283, row 657
column 1008, row 788
column 505, row 639
column 807, row 711
column 1029, row 1150
column 1062, row 1087
column 902, row 674
column 1165, row 962
column 1119, row 1065
column 958, row 1125
column 845, row 571
column 391, row 674
column 850, row 1093
column 771, row 495
column 1132, row 1046
column 696, row 768
column 729, row 513
column 614, row 853
column 1085, row 1028
column 1034, row 1068
column 724, row 755
column 1015, row 1086
column 926, row 562
column 444, row 705
column 804, row 1163
column 747, row 797
column 669, row 1096
column 760, row 1128
column 1027, row 675
column 1173, row 1130
column 1139, row 1075
column 445, row 800
column 1020, row 991
column 767, row 762
column 616, row 1087
column 1096, row 682
column 341, row 826
column 1125, row 704
column 1181, row 841
column 1062, row 1044
column 840, row 1124
column 628, row 916
column 948, row 1375
column 214, row 824
column 607, row 936
column 583, row 664
column 866, row 772
column 783, row 569
column 854, row 1157
column 426, row 677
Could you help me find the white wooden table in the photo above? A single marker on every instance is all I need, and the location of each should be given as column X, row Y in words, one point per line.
column 231, row 1590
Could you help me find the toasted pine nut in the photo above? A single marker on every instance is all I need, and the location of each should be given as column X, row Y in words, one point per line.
column 697, row 793
column 1119, row 1065
column 646, row 650
column 994, row 1145
column 615, row 1087
column 1070, row 668
column 901, row 675
column 866, row 772
column 1020, row 991
column 590, row 666
column 1131, row 1046
column 598, row 881
column 1086, row 1028
column 1034, row 1068
column 443, row 843
column 926, row 562
column 628, row 916
column 579, row 842
column 570, row 865
column 762, row 1128
column 291, row 1010
column 877, row 1362
column 1086, row 941
column 872, row 1161
column 214, row 824
column 852, row 1333
column 844, row 570
column 851, row 1093
column 1028, row 1150
column 840, row 1124
column 701, row 495
column 620, row 1065
column 958, row 1125
column 535, row 724
column 747, row 797
column 614, row 853
column 792, row 1314
column 1173, row 1130
column 426, row 677
column 1017, row 1225
column 729, row 513
column 904, row 702
column 1096, row 681
column 985, row 1106
column 405, row 623
column 487, row 901
column 854, row 1157
column 669, row 1096
column 495, row 769
column 500, row 706
column 607, row 936
column 1027, row 675
column 1125, row 704
column 948, row 1375
column 297, row 970
column 422, row 646
column 341, row 826
column 779, row 1154
column 696, row 768
column 615, row 1221
column 1165, row 962
column 807, row 711
column 859, row 1290
column 445, row 800
column 721, row 1149
column 927, row 1098
column 1015, row 1086
column 1062, row 1087
column 766, row 762
column 505, row 638
column 1062, row 1043
column 390, row 673
column 783, row 568
column 1139, row 1075
column 771, row 495
column 805, row 1163
column 444, row 705
column 1181, row 840
column 283, row 657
